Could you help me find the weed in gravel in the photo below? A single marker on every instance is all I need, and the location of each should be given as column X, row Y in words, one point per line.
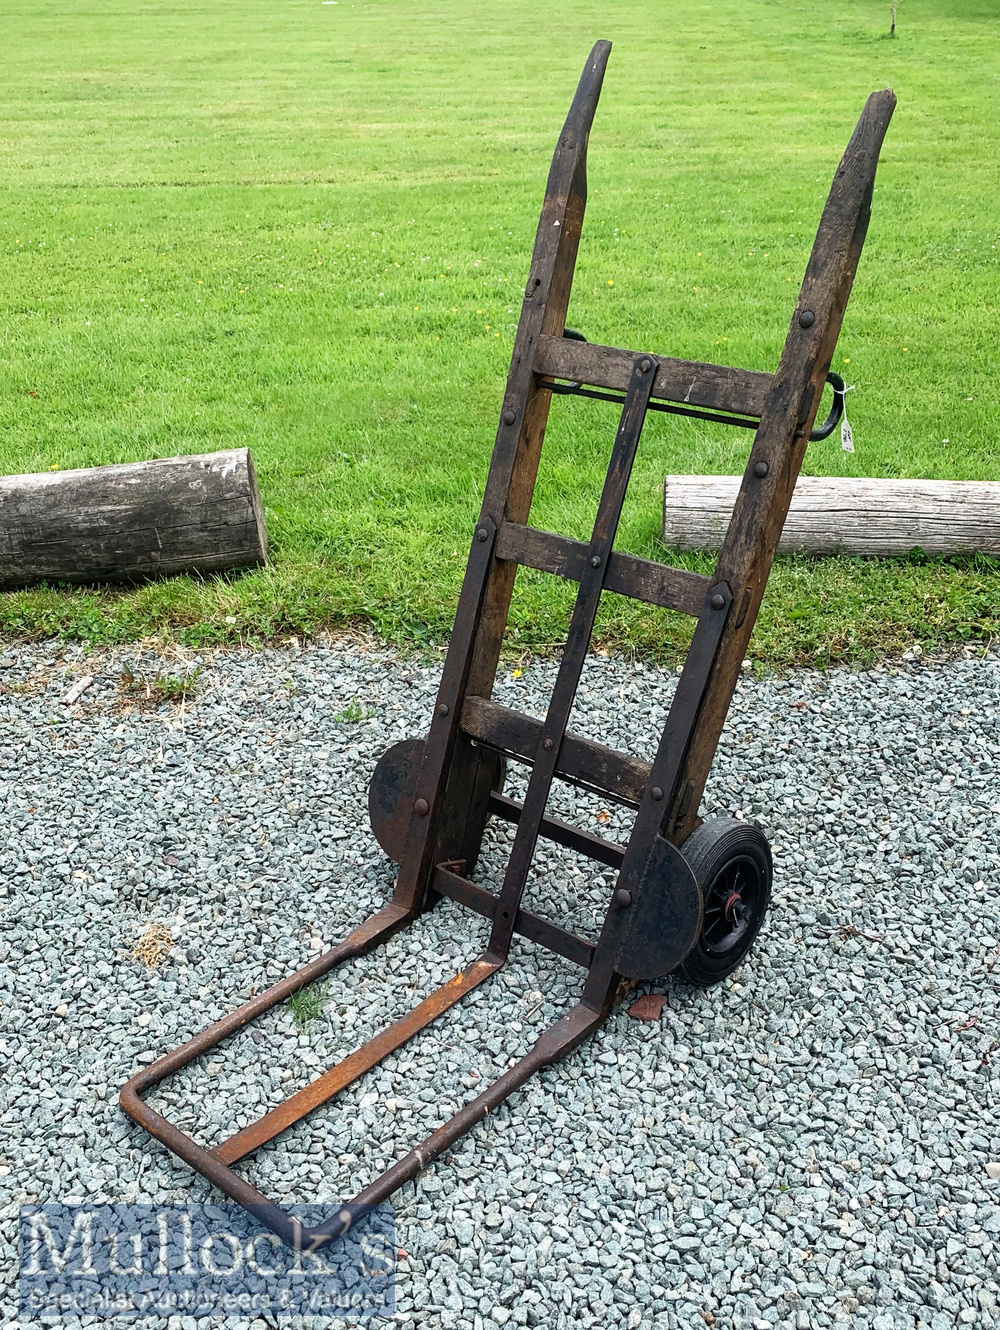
column 160, row 688
column 352, row 713
column 307, row 1004
column 153, row 947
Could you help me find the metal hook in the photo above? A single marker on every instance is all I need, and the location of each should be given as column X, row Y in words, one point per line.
column 836, row 410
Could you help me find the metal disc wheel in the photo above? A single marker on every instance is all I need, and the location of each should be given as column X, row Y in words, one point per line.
column 732, row 863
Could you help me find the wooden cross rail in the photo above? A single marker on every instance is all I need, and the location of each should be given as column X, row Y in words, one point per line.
column 715, row 387
column 641, row 579
column 581, row 761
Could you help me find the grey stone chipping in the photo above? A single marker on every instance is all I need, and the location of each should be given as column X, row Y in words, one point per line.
column 813, row 1143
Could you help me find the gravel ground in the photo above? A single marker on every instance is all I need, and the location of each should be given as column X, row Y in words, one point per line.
column 813, row 1143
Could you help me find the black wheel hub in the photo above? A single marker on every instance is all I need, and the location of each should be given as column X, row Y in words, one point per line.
column 731, row 905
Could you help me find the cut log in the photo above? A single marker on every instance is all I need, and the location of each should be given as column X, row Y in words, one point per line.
column 831, row 515
column 128, row 523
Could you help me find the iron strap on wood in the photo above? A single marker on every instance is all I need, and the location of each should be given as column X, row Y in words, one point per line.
column 418, row 857
column 715, row 417
column 644, row 869
column 524, row 413
column 581, row 627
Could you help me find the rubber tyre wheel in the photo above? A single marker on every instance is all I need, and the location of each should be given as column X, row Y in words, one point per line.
column 731, row 861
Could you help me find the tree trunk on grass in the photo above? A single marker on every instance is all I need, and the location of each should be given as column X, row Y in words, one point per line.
column 132, row 522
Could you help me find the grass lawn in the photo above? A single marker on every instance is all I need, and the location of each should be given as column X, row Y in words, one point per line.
column 305, row 228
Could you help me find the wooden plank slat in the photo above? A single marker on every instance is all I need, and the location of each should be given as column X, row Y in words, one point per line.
column 717, row 387
column 560, row 555
column 642, row 579
column 838, row 515
column 581, row 761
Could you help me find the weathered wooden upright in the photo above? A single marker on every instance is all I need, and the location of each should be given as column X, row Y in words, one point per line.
column 689, row 895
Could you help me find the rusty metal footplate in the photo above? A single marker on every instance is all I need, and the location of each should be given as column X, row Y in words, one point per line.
column 430, row 799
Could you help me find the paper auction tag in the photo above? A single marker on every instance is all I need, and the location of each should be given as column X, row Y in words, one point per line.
column 846, row 433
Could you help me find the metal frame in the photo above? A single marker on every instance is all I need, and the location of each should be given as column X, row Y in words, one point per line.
column 655, row 912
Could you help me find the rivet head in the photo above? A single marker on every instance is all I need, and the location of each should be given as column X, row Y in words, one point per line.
column 656, row 793
column 622, row 898
column 718, row 601
column 443, row 708
column 595, row 561
column 547, row 745
column 807, row 318
column 421, row 808
column 509, row 417
column 645, row 366
column 482, row 534
column 760, row 470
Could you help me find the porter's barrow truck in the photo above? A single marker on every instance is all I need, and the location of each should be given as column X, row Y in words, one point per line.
column 689, row 895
